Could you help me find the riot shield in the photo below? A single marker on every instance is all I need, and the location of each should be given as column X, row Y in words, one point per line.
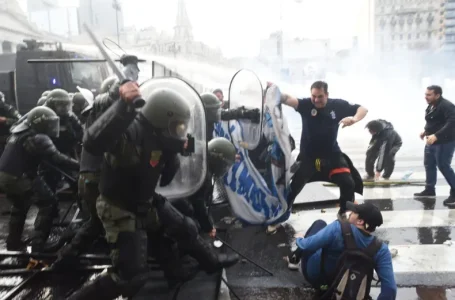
column 193, row 168
column 245, row 89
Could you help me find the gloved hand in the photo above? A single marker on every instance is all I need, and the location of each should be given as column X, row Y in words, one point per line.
column 127, row 59
column 254, row 115
column 129, row 91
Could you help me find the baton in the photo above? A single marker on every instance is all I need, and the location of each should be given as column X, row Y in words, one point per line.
column 139, row 102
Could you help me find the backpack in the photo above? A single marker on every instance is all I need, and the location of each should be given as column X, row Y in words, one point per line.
column 354, row 270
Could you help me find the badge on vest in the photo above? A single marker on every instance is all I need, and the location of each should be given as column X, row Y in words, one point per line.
column 155, row 158
column 314, row 112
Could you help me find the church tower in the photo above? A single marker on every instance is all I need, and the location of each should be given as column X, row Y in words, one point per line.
column 183, row 31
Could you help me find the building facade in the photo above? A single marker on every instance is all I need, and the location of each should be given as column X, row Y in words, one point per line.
column 295, row 59
column 409, row 25
column 105, row 16
column 449, row 26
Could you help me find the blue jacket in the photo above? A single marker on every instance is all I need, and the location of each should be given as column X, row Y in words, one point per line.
column 331, row 238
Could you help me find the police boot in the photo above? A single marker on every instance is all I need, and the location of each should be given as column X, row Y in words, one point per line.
column 16, row 227
column 67, row 258
column 208, row 259
column 131, row 262
column 167, row 255
column 102, row 288
column 43, row 225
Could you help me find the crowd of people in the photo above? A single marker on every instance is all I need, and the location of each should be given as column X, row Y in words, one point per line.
column 122, row 149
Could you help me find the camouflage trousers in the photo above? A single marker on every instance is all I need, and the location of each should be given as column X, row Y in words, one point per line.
column 116, row 220
column 92, row 228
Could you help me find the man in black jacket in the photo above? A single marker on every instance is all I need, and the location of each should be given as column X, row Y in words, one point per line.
column 440, row 142
column 384, row 145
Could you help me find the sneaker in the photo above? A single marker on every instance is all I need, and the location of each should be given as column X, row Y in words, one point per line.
column 272, row 229
column 368, row 178
column 450, row 202
column 393, row 252
column 426, row 193
column 293, row 264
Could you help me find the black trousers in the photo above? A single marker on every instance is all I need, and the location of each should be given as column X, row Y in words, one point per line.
column 334, row 169
column 388, row 163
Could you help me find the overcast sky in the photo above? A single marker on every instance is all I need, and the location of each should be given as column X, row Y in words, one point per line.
column 237, row 26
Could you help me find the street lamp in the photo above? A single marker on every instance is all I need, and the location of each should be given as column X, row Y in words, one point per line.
column 117, row 7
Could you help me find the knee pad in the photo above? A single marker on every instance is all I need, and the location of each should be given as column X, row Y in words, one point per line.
column 175, row 223
column 131, row 259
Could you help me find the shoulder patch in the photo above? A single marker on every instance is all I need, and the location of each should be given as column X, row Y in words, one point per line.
column 155, row 157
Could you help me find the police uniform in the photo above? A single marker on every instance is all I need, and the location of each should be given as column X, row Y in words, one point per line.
column 89, row 178
column 26, row 148
column 137, row 150
column 11, row 116
column 320, row 156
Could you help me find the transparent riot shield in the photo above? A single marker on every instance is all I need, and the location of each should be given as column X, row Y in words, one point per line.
column 246, row 90
column 193, row 168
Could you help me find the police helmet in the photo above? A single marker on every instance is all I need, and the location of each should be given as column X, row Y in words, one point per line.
column 41, row 101
column 41, row 119
column 45, row 93
column 79, row 103
column 59, row 101
column 107, row 84
column 221, row 156
column 212, row 107
column 168, row 112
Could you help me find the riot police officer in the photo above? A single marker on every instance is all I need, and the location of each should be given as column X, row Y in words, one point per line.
column 139, row 149
column 71, row 131
column 26, row 148
column 79, row 104
column 41, row 101
column 89, row 178
column 8, row 116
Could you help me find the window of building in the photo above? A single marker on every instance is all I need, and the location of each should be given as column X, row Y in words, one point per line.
column 393, row 37
column 429, row 34
column 418, row 36
column 401, row 37
column 409, row 36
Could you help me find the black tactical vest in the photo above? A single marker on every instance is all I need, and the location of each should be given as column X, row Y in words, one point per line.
column 15, row 159
column 90, row 163
column 130, row 172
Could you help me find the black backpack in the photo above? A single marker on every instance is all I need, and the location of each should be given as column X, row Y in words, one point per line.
column 354, row 270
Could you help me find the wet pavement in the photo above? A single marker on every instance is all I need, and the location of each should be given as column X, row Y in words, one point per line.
column 421, row 229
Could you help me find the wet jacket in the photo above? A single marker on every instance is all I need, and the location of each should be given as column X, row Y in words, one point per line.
column 89, row 162
column 11, row 114
column 331, row 238
column 440, row 121
column 25, row 151
column 71, row 133
column 133, row 158
column 386, row 142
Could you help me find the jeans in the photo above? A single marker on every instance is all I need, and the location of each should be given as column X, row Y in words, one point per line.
column 299, row 254
column 439, row 156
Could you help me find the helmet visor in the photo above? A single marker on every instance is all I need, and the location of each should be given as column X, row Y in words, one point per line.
column 178, row 129
column 62, row 108
column 219, row 164
column 50, row 126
